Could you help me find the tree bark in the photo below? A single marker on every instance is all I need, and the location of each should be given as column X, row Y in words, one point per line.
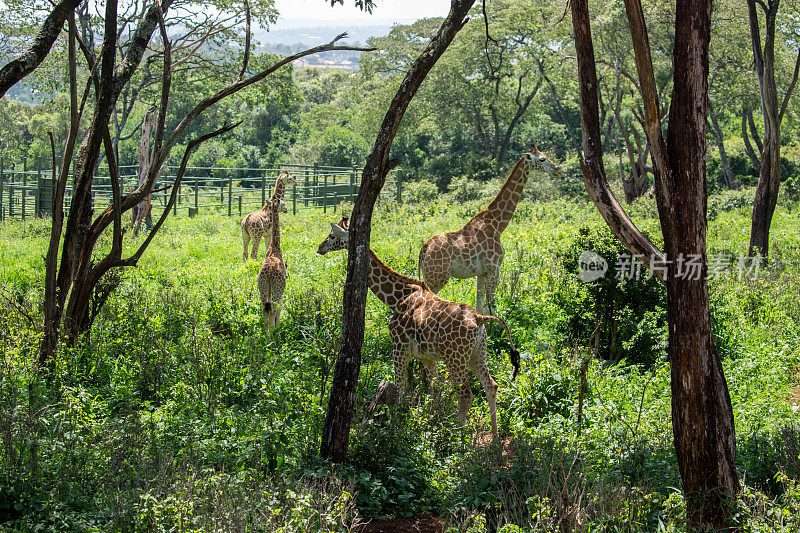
column 702, row 415
column 338, row 419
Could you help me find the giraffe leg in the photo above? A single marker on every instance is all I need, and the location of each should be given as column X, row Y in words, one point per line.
column 432, row 371
column 492, row 280
column 256, row 242
column 277, row 313
column 401, row 357
column 245, row 243
column 465, row 397
column 489, row 385
column 480, row 294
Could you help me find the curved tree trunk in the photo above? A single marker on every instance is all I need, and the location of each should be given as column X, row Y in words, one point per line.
column 338, row 418
column 769, row 174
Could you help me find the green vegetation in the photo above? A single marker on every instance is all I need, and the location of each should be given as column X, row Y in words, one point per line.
column 180, row 413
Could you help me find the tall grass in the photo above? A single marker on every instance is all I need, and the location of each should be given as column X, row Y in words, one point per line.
column 180, row 412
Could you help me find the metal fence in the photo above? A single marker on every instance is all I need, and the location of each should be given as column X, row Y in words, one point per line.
column 29, row 193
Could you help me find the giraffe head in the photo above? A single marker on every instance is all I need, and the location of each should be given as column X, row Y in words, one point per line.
column 539, row 161
column 286, row 178
column 337, row 239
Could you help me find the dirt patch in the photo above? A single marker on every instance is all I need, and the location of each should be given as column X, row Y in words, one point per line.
column 414, row 524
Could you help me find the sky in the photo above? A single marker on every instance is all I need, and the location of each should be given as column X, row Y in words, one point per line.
column 294, row 11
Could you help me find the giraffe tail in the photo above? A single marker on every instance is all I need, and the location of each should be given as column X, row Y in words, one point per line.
column 513, row 354
column 267, row 307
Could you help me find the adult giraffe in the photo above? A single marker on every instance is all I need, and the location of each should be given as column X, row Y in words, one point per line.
column 430, row 329
column 475, row 250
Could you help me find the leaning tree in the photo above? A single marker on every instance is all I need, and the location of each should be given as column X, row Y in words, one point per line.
column 702, row 416
column 336, row 429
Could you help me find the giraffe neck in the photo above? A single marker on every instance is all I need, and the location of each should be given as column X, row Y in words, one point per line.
column 275, row 243
column 502, row 208
column 389, row 286
column 277, row 193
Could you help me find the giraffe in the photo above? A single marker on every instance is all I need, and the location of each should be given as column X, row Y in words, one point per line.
column 430, row 329
column 272, row 276
column 475, row 250
column 258, row 223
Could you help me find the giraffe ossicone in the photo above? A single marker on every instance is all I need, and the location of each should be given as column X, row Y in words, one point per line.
column 430, row 329
column 258, row 224
column 475, row 251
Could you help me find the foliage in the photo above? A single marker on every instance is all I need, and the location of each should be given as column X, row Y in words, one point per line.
column 179, row 378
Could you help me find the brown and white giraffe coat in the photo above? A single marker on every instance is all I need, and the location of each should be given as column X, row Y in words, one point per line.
column 475, row 250
column 430, row 329
column 272, row 276
column 258, row 224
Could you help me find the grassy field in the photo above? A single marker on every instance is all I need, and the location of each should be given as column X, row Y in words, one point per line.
column 180, row 413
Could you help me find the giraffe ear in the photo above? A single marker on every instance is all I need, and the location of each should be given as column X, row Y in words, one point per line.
column 345, row 223
column 339, row 231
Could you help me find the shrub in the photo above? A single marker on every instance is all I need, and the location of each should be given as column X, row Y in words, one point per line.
column 627, row 314
column 417, row 192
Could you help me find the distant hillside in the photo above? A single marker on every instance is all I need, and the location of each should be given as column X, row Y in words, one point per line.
column 291, row 40
column 316, row 35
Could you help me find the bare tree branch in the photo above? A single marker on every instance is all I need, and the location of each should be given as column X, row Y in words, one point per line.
column 790, row 89
column 18, row 68
column 246, row 59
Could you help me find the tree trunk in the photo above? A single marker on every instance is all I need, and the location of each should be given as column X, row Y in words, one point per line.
column 336, row 429
column 719, row 139
column 702, row 415
column 748, row 147
column 773, row 109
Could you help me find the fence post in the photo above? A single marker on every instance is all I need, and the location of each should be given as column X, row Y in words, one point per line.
column 316, row 185
column 305, row 187
column 36, row 199
column 263, row 189
column 353, row 184
column 398, row 179
column 325, row 194
column 240, row 205
column 197, row 194
column 230, row 193
column 2, row 178
column 294, row 199
column 24, row 186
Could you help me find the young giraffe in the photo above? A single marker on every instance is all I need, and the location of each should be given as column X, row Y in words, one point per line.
column 258, row 223
column 430, row 329
column 272, row 276
column 475, row 250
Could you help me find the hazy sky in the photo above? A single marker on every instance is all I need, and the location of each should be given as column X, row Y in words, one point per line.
column 395, row 10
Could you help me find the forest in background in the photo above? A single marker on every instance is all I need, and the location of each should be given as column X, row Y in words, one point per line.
column 498, row 90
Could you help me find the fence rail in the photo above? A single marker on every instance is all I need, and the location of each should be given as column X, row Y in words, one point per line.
column 29, row 193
